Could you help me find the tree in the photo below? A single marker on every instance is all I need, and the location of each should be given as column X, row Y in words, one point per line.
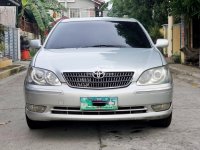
column 38, row 10
column 188, row 8
column 131, row 8
column 148, row 12
column 151, row 13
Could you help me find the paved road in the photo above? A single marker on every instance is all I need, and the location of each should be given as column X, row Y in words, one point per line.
column 183, row 134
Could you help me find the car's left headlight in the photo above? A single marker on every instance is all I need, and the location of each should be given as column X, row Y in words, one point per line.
column 160, row 75
column 42, row 77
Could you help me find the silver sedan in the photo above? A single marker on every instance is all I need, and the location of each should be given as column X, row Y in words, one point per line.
column 97, row 69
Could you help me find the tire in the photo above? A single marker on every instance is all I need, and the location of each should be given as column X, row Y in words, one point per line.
column 35, row 124
column 164, row 123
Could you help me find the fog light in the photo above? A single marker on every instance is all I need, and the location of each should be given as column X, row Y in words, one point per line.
column 161, row 107
column 36, row 108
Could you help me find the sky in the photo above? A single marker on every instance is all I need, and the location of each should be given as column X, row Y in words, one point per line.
column 110, row 5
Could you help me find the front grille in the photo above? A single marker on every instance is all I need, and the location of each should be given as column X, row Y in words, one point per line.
column 77, row 111
column 86, row 80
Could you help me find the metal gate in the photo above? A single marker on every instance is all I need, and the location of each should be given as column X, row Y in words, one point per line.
column 12, row 40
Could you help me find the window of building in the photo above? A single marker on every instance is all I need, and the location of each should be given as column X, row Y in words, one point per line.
column 84, row 13
column 74, row 12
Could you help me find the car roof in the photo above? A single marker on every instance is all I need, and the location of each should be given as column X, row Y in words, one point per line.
column 99, row 19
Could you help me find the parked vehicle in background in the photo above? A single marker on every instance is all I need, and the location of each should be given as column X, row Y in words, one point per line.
column 94, row 69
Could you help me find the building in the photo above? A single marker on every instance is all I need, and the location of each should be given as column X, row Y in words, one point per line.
column 175, row 39
column 81, row 8
column 10, row 2
column 8, row 12
column 11, row 38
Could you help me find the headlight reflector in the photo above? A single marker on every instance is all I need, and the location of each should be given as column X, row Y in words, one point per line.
column 42, row 77
column 51, row 78
column 158, row 75
column 38, row 76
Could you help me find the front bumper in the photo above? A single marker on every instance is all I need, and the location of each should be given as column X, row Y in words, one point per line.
column 64, row 96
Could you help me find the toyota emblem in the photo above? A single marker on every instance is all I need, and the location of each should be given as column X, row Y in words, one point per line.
column 98, row 74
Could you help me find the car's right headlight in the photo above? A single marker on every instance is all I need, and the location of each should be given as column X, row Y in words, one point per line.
column 42, row 77
column 160, row 75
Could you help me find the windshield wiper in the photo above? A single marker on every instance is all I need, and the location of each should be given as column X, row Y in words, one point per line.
column 120, row 46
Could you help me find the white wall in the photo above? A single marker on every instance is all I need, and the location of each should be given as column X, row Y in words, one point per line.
column 84, row 4
column 86, row 8
column 8, row 16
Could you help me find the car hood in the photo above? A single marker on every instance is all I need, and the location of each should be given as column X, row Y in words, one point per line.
column 93, row 59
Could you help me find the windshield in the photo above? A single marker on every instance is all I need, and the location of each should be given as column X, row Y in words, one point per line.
column 85, row 34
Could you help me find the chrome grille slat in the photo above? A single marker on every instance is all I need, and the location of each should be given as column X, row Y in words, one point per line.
column 144, row 109
column 77, row 111
column 86, row 80
column 100, row 82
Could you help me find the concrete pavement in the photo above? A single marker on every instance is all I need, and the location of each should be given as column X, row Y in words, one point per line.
column 183, row 134
column 23, row 63
column 13, row 69
column 185, row 70
column 185, row 73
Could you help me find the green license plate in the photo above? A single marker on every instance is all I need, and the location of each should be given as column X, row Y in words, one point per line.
column 99, row 103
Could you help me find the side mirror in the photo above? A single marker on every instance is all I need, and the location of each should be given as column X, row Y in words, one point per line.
column 162, row 43
column 35, row 43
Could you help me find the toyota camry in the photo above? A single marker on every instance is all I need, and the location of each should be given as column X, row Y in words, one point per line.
column 98, row 69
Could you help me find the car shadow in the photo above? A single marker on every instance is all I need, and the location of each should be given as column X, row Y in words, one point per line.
column 73, row 130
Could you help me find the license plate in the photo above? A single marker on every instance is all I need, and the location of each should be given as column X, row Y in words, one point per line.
column 99, row 103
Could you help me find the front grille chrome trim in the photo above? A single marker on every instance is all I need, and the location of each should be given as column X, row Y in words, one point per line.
column 87, row 81
column 121, row 110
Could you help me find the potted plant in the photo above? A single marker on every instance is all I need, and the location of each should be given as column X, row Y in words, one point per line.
column 176, row 58
column 2, row 47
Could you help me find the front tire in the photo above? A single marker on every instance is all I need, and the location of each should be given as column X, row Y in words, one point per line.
column 164, row 123
column 35, row 124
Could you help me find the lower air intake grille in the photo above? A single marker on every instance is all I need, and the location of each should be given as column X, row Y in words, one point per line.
column 77, row 111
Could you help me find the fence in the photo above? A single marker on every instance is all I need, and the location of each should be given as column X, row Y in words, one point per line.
column 12, row 43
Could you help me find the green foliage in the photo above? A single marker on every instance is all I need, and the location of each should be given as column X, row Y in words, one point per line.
column 104, row 6
column 1, row 32
column 189, row 8
column 37, row 16
column 2, row 44
column 42, row 9
column 176, row 58
column 24, row 2
column 33, row 52
column 149, row 12
column 160, row 12
column 39, row 9
column 155, row 33
column 53, row 5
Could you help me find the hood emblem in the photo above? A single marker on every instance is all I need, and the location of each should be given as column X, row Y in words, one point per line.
column 98, row 74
